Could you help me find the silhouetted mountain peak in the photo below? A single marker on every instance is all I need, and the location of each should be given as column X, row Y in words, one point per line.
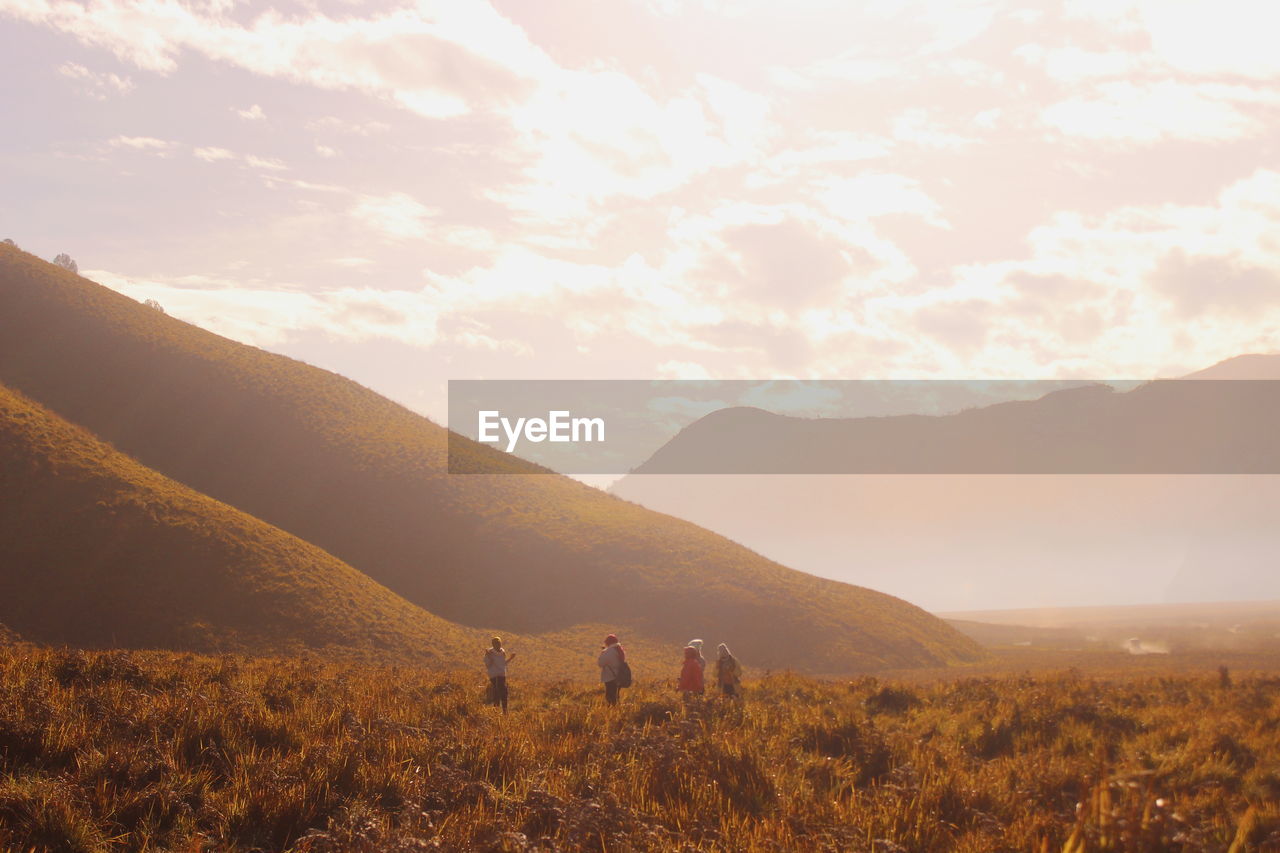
column 1247, row 366
column 1161, row 427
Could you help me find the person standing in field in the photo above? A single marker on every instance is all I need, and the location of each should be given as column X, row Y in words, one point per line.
column 728, row 672
column 690, row 673
column 495, row 663
column 612, row 662
column 702, row 662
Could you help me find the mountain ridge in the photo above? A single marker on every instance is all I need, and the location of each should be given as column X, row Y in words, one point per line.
column 1163, row 426
column 100, row 551
column 1252, row 365
column 1000, row 537
column 365, row 479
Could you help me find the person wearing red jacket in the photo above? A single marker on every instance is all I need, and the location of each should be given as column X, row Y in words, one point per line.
column 690, row 673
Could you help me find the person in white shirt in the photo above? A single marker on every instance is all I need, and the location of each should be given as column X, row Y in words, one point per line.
column 495, row 663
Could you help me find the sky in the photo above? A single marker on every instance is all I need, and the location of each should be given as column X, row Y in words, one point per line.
column 407, row 193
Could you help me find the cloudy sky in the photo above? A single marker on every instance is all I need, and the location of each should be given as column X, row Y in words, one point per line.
column 407, row 193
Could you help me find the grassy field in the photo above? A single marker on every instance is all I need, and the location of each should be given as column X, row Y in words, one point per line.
column 156, row 751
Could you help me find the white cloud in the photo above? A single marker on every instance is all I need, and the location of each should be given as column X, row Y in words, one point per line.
column 590, row 136
column 98, row 85
column 700, row 209
column 272, row 180
column 827, row 150
column 395, row 216
column 469, row 237
column 212, row 155
column 1127, row 291
column 1124, row 244
column 439, row 59
column 917, row 127
column 1150, row 113
column 519, row 277
column 1121, row 15
column 1215, row 36
column 1072, row 64
column 269, row 316
column 333, row 123
column 988, row 119
column 681, row 370
column 849, row 67
column 269, row 163
column 142, row 143
column 585, row 135
column 867, row 196
column 1200, row 37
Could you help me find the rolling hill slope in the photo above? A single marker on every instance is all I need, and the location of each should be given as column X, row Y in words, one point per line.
column 97, row 550
column 365, row 479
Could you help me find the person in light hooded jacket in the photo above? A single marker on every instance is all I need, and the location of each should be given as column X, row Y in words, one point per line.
column 728, row 672
column 610, row 661
column 702, row 662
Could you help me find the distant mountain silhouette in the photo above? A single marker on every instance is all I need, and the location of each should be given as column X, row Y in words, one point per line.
column 985, row 540
column 335, row 464
column 96, row 550
column 1161, row 427
column 1249, row 366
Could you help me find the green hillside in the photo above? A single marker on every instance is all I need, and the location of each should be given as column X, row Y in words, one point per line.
column 365, row 479
column 97, row 550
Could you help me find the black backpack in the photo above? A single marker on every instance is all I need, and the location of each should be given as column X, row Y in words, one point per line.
column 624, row 675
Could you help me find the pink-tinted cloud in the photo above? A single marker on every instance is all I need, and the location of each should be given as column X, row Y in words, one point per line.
column 667, row 188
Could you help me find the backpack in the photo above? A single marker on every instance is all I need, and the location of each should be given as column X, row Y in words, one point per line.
column 624, row 674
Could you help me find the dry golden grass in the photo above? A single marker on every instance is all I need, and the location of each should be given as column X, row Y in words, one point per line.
column 151, row 751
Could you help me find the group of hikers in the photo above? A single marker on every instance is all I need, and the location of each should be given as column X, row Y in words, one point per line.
column 615, row 672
